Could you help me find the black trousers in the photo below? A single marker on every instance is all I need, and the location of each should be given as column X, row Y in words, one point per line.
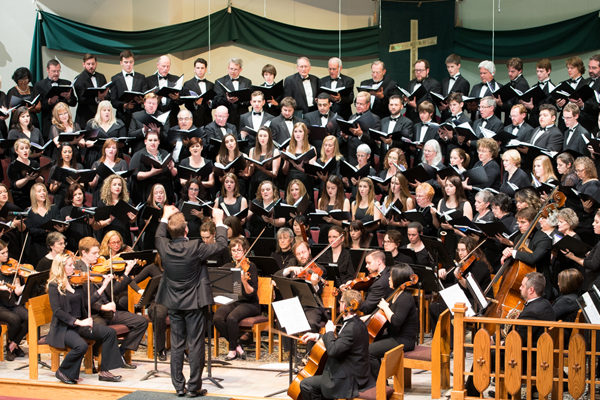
column 378, row 348
column 75, row 339
column 158, row 316
column 310, row 388
column 136, row 323
column 17, row 320
column 187, row 329
column 228, row 317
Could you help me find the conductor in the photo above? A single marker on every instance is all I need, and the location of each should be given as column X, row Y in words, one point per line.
column 185, row 291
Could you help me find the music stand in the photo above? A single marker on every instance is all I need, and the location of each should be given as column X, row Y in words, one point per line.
column 358, row 257
column 267, row 266
column 32, row 289
column 480, row 302
column 146, row 300
column 437, row 250
column 428, row 280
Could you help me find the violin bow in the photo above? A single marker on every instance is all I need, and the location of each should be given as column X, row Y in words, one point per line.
column 465, row 258
column 143, row 229
column 110, row 264
column 20, row 258
column 255, row 241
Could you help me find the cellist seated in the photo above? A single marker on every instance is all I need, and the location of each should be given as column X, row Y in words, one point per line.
column 402, row 319
column 346, row 370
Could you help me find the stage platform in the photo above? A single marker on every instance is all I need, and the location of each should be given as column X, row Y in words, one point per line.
column 241, row 380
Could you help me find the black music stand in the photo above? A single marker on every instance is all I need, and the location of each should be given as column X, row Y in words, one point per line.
column 32, row 289
column 267, row 266
column 290, row 288
column 437, row 250
column 147, row 297
column 428, row 280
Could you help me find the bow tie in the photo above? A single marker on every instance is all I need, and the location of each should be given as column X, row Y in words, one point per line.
column 426, row 124
column 235, row 79
column 256, row 113
column 541, row 83
column 305, row 79
column 574, row 80
column 94, row 74
column 162, row 77
column 324, row 115
column 289, row 119
column 129, row 74
column 394, row 119
column 455, row 77
column 200, row 80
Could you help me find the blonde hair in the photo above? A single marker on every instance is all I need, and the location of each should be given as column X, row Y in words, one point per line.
column 104, row 252
column 336, row 148
column 370, row 197
column 34, row 203
column 58, row 274
column 546, row 167
column 105, row 195
column 98, row 119
column 288, row 194
column 293, row 144
column 58, row 108
column 512, row 155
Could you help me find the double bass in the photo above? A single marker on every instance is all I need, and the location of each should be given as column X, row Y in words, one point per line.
column 507, row 294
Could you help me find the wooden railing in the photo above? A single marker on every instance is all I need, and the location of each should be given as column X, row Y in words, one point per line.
column 513, row 361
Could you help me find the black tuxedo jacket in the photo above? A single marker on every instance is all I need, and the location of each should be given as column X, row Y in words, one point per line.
column 538, row 309
column 344, row 107
column 379, row 107
column 42, row 88
column 520, row 84
column 460, row 85
column 185, row 284
column 347, row 369
column 201, row 113
column 431, row 85
column 534, row 114
column 136, row 129
column 212, row 130
column 475, row 92
column 431, row 133
column 403, row 125
column 235, row 109
column 246, row 120
column 314, row 118
column 523, row 133
column 279, row 129
column 87, row 106
column 589, row 115
column 119, row 87
column 293, row 87
column 170, row 105
column 579, row 140
column 551, row 140
column 380, row 289
column 493, row 124
column 348, row 145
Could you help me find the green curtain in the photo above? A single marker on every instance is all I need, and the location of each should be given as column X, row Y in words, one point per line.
column 576, row 35
column 59, row 33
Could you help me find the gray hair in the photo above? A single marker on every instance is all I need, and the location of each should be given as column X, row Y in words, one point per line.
column 436, row 147
column 489, row 65
column 236, row 61
column 363, row 148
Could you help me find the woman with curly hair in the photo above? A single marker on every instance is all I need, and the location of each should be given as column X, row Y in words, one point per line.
column 113, row 190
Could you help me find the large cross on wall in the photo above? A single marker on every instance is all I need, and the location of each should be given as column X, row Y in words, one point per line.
column 413, row 44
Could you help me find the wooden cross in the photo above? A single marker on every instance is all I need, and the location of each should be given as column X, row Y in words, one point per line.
column 413, row 44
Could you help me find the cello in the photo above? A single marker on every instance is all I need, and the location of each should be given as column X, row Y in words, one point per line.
column 507, row 294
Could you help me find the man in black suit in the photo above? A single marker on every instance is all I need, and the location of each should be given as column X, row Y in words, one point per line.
column 43, row 87
column 232, row 81
column 520, row 129
column 323, row 117
column 342, row 104
column 137, row 127
column 127, row 80
column 89, row 77
column 380, row 289
column 486, row 87
column 302, row 86
column 424, row 130
column 217, row 130
column 591, row 107
column 255, row 118
column 448, row 141
column 347, row 369
column 453, row 83
column 517, row 81
column 575, row 69
column 198, row 84
column 385, row 88
column 283, row 124
column 185, row 291
column 364, row 120
column 488, row 119
column 163, row 78
column 422, row 78
column 547, row 135
column 576, row 136
column 542, row 70
column 536, row 308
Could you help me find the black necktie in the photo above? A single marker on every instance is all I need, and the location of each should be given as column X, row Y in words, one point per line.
column 305, row 79
column 394, row 119
column 162, row 77
column 200, row 80
column 256, row 113
column 289, row 119
column 324, row 116
column 129, row 74
column 235, row 79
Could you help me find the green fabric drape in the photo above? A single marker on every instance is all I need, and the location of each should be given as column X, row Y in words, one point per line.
column 59, row 33
column 576, row 35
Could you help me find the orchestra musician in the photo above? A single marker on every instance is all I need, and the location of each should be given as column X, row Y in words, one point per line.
column 228, row 316
column 15, row 316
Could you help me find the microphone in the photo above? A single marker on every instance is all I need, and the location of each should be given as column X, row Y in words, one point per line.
column 18, row 213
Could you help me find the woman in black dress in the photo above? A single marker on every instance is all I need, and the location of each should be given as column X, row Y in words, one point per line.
column 150, row 214
column 62, row 122
column 365, row 208
column 228, row 317
column 230, row 200
column 56, row 242
column 195, row 161
column 24, row 128
column 41, row 212
column 71, row 325
column 514, row 178
column 339, row 255
column 108, row 126
column 24, row 90
column 114, row 189
column 298, row 145
column 23, row 173
column 58, row 188
column 332, row 198
column 188, row 194
column 108, row 159
column 266, row 197
column 264, row 149
column 74, row 210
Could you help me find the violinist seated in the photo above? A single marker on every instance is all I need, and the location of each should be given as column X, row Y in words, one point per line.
column 401, row 318
column 228, row 316
column 536, row 308
column 539, row 245
column 346, row 371
column 104, row 309
column 379, row 275
column 56, row 242
column 71, row 324
column 112, row 244
column 15, row 316
column 469, row 261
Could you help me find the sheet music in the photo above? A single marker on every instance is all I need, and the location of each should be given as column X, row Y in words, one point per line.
column 291, row 316
column 590, row 310
column 223, row 300
column 454, row 294
column 476, row 290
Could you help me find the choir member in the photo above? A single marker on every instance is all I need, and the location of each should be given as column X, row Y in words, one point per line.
column 87, row 101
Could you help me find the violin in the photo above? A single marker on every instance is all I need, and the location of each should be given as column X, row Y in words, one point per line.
column 362, row 283
column 102, row 265
column 311, row 267
column 12, row 266
column 79, row 278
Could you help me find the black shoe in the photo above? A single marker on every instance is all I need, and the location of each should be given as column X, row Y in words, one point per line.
column 242, row 356
column 18, row 352
column 196, row 393
column 162, row 355
column 10, row 356
column 63, row 378
column 180, row 393
column 94, row 369
column 126, row 365
column 111, row 378
column 228, row 358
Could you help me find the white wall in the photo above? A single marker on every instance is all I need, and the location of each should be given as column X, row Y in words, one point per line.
column 17, row 23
